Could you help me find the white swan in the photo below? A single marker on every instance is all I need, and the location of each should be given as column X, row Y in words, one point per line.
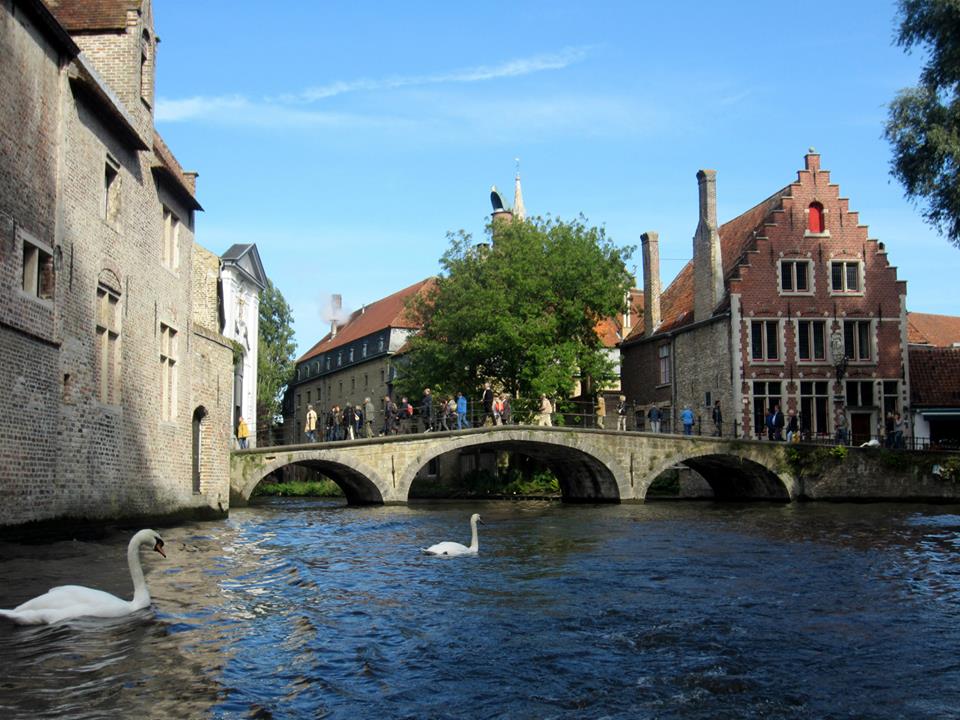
column 73, row 601
column 452, row 548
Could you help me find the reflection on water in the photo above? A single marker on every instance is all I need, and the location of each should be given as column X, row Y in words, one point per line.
column 301, row 608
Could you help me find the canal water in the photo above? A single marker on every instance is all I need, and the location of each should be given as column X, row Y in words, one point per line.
column 307, row 609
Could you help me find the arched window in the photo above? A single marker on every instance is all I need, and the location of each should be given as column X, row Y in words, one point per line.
column 815, row 220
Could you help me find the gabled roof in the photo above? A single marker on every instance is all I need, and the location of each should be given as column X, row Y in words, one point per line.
column 933, row 330
column 246, row 258
column 390, row 312
column 90, row 15
column 934, row 376
column 736, row 237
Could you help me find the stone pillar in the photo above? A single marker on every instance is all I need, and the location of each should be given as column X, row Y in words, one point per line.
column 650, row 244
column 707, row 259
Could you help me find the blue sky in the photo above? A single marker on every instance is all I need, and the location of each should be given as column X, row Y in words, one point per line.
column 346, row 139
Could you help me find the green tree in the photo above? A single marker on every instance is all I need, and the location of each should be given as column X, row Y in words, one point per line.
column 521, row 310
column 924, row 121
column 275, row 354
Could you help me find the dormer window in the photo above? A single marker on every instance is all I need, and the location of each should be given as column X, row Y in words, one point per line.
column 816, row 222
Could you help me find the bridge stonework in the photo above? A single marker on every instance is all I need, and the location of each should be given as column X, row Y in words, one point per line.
column 591, row 465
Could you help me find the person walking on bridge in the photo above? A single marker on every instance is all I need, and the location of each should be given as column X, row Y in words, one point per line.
column 462, row 421
column 601, row 410
column 310, row 427
column 368, row 411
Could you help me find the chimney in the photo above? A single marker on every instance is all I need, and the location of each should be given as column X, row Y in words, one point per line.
column 190, row 179
column 336, row 305
column 707, row 260
column 812, row 160
column 650, row 244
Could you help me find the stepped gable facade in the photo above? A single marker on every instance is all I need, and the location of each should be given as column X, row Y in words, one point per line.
column 772, row 303
column 116, row 396
column 353, row 361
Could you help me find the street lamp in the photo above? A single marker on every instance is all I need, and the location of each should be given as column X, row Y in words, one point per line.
column 840, row 362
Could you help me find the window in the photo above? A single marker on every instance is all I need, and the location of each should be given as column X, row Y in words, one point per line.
column 364, row 352
column 340, row 358
column 350, row 356
column 111, row 191
column 171, row 240
column 891, row 396
column 811, row 340
column 795, row 276
column 366, row 380
column 38, row 275
column 815, row 219
column 765, row 340
column 328, row 362
column 814, row 401
column 765, row 396
column 308, row 396
column 845, row 276
column 663, row 356
column 299, row 398
column 108, row 345
column 168, row 372
column 856, row 339
column 860, row 393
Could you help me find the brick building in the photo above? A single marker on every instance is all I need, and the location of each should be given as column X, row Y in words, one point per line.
column 935, row 378
column 771, row 304
column 115, row 393
column 352, row 362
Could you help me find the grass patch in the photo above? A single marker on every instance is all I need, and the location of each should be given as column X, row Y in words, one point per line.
column 310, row 488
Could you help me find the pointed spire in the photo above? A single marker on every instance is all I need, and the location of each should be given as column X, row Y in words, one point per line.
column 519, row 211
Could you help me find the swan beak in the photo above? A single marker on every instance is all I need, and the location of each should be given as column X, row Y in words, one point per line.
column 159, row 547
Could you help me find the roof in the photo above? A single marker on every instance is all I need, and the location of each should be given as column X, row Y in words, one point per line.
column 246, row 258
column 933, row 330
column 168, row 167
column 610, row 330
column 89, row 15
column 736, row 237
column 934, row 376
column 48, row 23
column 85, row 79
column 390, row 312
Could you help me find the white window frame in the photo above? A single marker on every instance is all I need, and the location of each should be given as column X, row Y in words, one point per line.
column 793, row 276
column 766, row 323
column 809, row 323
column 169, row 342
column 845, row 290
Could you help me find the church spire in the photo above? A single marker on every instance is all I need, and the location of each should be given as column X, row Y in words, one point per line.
column 519, row 211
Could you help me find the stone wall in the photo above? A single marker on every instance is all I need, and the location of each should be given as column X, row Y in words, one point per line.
column 702, row 367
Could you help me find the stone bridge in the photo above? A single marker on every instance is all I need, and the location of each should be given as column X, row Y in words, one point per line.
column 591, row 465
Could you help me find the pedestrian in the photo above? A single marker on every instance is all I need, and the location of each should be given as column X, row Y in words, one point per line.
column 405, row 415
column 686, row 417
column 776, row 423
column 498, row 410
column 310, row 426
column 654, row 415
column 337, row 412
column 426, row 410
column 506, row 413
column 546, row 411
column 358, row 421
column 717, row 415
column 368, row 411
column 487, row 400
column 898, row 428
column 842, row 428
column 389, row 416
column 462, row 421
column 601, row 410
column 622, row 413
column 793, row 428
column 889, row 430
column 243, row 432
column 349, row 422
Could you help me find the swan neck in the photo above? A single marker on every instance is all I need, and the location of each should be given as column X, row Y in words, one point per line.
column 141, row 595
column 474, row 541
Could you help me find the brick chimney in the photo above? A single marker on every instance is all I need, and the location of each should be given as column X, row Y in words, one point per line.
column 650, row 246
column 812, row 160
column 707, row 260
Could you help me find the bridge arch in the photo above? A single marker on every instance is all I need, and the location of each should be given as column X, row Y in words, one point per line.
column 582, row 475
column 731, row 476
column 360, row 483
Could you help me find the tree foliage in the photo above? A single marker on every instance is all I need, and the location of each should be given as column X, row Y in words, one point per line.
column 275, row 355
column 520, row 311
column 924, row 121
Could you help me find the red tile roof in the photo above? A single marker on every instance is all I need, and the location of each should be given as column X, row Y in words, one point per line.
column 736, row 237
column 390, row 312
column 934, row 376
column 933, row 330
column 87, row 15
column 610, row 330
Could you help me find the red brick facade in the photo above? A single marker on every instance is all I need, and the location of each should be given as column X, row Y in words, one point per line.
column 798, row 270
